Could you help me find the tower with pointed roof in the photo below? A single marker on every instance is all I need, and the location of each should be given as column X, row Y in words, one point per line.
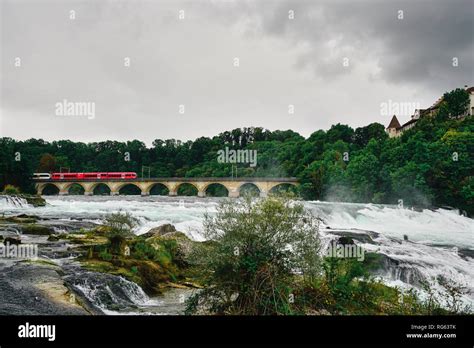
column 392, row 128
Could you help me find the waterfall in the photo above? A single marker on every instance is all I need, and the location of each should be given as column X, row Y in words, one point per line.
column 7, row 201
column 112, row 294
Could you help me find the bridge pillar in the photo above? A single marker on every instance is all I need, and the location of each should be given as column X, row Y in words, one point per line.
column 88, row 193
column 263, row 193
column 145, row 193
column 234, row 193
column 63, row 192
column 173, row 193
column 201, row 193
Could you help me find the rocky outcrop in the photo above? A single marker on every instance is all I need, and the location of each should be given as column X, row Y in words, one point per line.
column 360, row 236
column 159, row 231
column 37, row 229
column 36, row 289
column 168, row 232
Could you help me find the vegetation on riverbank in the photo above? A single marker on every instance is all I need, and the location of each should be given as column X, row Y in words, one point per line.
column 153, row 261
column 263, row 258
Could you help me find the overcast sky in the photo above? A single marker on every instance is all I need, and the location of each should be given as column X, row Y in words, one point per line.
column 335, row 61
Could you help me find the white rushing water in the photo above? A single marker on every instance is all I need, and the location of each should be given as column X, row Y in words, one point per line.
column 434, row 236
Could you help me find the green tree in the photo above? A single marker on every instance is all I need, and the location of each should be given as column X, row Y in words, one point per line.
column 47, row 163
column 457, row 102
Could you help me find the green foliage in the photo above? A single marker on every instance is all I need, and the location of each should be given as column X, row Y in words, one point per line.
column 119, row 228
column 105, row 255
column 457, row 102
column 149, row 264
column 11, row 190
column 347, row 289
column 261, row 259
column 257, row 246
column 47, row 163
column 163, row 252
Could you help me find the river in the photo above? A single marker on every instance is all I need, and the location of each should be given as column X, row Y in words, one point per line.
column 418, row 245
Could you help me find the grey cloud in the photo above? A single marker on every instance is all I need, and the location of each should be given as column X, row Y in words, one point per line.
column 190, row 62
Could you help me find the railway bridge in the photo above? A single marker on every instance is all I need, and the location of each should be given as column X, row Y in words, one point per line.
column 145, row 185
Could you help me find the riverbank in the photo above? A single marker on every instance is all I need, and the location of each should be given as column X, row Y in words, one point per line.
column 67, row 277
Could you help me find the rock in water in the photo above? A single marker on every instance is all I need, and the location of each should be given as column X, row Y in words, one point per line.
column 159, row 231
column 12, row 241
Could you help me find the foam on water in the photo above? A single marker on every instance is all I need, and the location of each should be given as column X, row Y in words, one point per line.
column 440, row 226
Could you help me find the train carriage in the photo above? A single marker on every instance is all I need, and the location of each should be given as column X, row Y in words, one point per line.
column 85, row 176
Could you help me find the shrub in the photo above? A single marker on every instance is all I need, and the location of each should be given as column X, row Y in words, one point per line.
column 119, row 229
column 105, row 255
column 258, row 247
column 346, row 288
column 11, row 190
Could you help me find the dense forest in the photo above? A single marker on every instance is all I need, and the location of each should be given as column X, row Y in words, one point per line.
column 429, row 165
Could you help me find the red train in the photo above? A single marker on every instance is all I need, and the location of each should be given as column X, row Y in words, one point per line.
column 94, row 176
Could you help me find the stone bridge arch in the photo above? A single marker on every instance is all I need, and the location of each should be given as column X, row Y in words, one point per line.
column 115, row 187
column 41, row 186
column 198, row 186
column 221, row 183
column 149, row 186
column 91, row 188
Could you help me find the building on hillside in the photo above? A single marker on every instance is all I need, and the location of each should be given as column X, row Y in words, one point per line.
column 394, row 129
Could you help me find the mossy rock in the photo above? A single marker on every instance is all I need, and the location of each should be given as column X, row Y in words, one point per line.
column 85, row 239
column 22, row 219
column 151, row 276
column 100, row 230
column 37, row 229
column 181, row 246
column 373, row 261
column 159, row 231
column 34, row 200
